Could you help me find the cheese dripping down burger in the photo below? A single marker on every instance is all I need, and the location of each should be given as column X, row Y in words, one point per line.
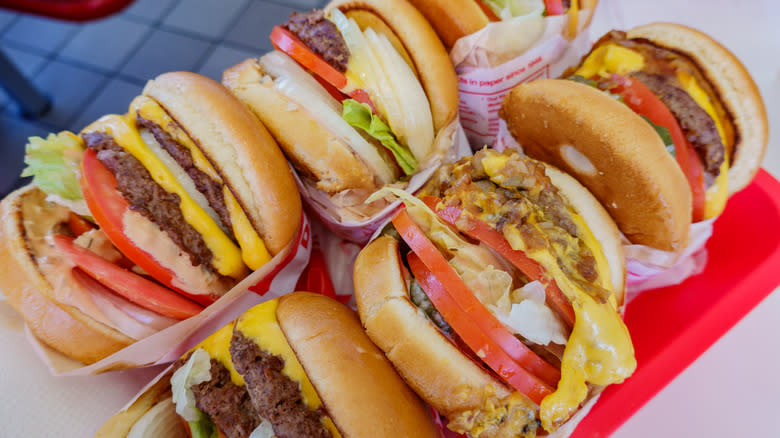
column 497, row 296
column 144, row 218
column 455, row 19
column 702, row 103
column 297, row 366
column 356, row 95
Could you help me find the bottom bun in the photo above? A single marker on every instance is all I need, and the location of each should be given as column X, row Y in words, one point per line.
column 358, row 386
column 59, row 326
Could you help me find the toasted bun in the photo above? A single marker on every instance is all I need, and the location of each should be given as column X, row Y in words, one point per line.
column 309, row 145
column 240, row 148
column 732, row 83
column 62, row 327
column 454, row 19
column 611, row 151
column 429, row 56
column 119, row 425
column 360, row 389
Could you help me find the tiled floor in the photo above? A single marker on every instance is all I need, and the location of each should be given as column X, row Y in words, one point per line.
column 96, row 68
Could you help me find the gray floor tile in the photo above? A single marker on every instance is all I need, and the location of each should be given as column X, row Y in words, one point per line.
column 303, row 5
column 6, row 17
column 69, row 88
column 209, row 18
column 27, row 63
column 223, row 58
column 114, row 98
column 151, row 10
column 105, row 44
column 43, row 34
column 13, row 136
column 165, row 51
column 254, row 26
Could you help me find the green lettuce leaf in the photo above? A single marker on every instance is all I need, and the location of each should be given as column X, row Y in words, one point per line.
column 203, row 428
column 665, row 136
column 54, row 164
column 360, row 116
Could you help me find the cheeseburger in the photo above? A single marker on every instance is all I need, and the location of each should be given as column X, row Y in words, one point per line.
column 498, row 295
column 357, row 96
column 143, row 218
column 698, row 97
column 297, row 366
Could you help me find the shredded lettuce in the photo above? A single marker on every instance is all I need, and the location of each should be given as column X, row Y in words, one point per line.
column 54, row 164
column 360, row 116
column 508, row 9
column 196, row 370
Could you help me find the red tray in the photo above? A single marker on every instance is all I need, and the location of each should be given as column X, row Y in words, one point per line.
column 700, row 310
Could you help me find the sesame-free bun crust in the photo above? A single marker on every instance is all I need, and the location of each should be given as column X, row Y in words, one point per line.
column 454, row 19
column 239, row 147
column 308, row 144
column 63, row 328
column 426, row 51
column 361, row 391
column 733, row 85
column 611, row 151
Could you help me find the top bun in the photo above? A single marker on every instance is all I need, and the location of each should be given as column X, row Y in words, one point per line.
column 360, row 389
column 732, row 84
column 612, row 151
column 239, row 147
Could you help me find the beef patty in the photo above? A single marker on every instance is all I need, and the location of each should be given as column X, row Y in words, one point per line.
column 321, row 36
column 276, row 397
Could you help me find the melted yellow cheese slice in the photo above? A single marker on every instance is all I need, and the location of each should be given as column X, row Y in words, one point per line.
column 253, row 250
column 260, row 324
column 226, row 255
column 217, row 346
column 608, row 59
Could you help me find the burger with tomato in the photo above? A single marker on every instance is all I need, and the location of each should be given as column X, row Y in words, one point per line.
column 454, row 20
column 701, row 103
column 143, row 218
column 297, row 366
column 498, row 294
column 359, row 95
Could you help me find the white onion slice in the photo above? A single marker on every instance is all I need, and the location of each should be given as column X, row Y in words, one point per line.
column 159, row 421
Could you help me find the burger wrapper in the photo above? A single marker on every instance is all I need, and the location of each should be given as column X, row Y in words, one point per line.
column 349, row 223
column 274, row 279
column 492, row 61
column 647, row 268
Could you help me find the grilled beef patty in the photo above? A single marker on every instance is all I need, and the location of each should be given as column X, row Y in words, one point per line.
column 210, row 188
column 275, row 396
column 146, row 197
column 321, row 36
column 697, row 125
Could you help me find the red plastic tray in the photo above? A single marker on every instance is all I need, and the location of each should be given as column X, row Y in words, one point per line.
column 743, row 268
column 74, row 10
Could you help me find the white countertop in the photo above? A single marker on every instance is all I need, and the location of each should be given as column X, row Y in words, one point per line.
column 732, row 389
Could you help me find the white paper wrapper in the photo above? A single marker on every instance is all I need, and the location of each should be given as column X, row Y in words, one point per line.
column 275, row 278
column 648, row 268
column 451, row 144
column 492, row 61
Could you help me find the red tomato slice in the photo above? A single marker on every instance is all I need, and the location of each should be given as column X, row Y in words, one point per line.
column 285, row 41
column 465, row 326
column 78, row 225
column 553, row 7
column 135, row 288
column 108, row 207
column 644, row 102
column 483, row 232
column 468, row 304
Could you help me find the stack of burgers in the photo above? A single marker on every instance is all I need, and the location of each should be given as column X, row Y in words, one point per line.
column 490, row 304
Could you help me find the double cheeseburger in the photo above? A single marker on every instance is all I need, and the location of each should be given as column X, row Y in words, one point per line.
column 357, row 96
column 700, row 100
column 297, row 366
column 455, row 19
column 143, row 218
column 497, row 296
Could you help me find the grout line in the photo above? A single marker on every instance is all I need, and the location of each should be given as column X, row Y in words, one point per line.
column 220, row 41
column 10, row 23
